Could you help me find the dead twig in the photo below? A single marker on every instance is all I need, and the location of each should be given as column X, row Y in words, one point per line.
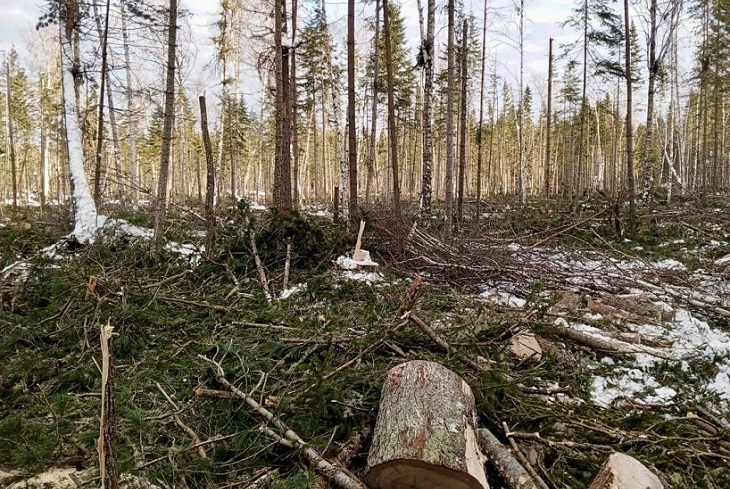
column 441, row 343
column 261, row 271
column 525, row 463
column 286, row 434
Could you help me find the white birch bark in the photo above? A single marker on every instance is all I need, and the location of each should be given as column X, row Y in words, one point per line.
column 85, row 215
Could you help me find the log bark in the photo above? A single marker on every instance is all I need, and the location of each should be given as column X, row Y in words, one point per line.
column 425, row 435
column 508, row 467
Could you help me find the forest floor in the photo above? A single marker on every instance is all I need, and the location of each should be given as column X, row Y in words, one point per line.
column 590, row 342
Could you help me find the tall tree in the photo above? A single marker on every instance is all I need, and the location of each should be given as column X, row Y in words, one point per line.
column 549, row 118
column 480, row 131
column 392, row 129
column 10, row 133
column 169, row 118
column 131, row 106
column 85, row 214
column 374, row 108
column 282, row 168
column 450, row 126
column 629, row 125
column 351, row 128
column 657, row 49
column 521, row 114
column 427, row 50
column 104, row 35
column 464, row 75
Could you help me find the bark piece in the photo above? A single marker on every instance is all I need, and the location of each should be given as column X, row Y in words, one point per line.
column 425, row 435
column 624, row 472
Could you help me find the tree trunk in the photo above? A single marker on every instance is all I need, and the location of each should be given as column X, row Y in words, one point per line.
column 648, row 171
column 294, row 108
column 102, row 89
column 521, row 131
column 131, row 120
column 11, row 135
column 629, row 125
column 104, row 34
column 480, row 137
column 210, row 181
column 450, row 126
column 374, row 109
column 428, row 66
column 578, row 177
column 392, row 129
column 85, row 215
column 425, row 435
column 548, row 132
column 351, row 127
column 169, row 117
column 282, row 168
column 462, row 125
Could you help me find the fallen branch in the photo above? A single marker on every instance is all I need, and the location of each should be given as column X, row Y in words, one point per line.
column 178, row 421
column 507, row 465
column 523, row 459
column 202, row 391
column 286, row 434
column 441, row 343
column 603, row 343
column 262, row 272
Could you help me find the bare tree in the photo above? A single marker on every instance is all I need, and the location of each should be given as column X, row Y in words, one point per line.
column 462, row 123
column 10, row 133
column 549, row 120
column 351, row 128
column 85, row 214
column 169, row 118
column 450, row 126
column 374, row 107
column 392, row 129
column 427, row 50
column 480, row 132
column 629, row 124
column 131, row 119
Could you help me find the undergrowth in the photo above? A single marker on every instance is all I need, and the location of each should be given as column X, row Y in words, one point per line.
column 166, row 314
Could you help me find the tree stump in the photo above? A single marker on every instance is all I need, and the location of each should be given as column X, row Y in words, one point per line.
column 425, row 435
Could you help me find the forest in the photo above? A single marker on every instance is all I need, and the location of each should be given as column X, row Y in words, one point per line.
column 365, row 244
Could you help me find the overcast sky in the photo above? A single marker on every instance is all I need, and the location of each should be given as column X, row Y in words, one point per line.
column 544, row 18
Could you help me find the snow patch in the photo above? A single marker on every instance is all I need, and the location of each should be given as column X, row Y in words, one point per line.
column 670, row 264
column 295, row 289
column 369, row 278
column 503, row 298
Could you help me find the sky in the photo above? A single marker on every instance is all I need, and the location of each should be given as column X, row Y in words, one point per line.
column 18, row 19
column 544, row 18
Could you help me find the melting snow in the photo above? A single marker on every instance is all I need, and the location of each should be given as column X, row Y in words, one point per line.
column 503, row 298
column 295, row 289
column 692, row 339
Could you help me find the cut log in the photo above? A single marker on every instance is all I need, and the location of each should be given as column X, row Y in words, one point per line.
column 425, row 435
column 623, row 472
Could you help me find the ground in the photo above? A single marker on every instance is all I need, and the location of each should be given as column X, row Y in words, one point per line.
column 655, row 385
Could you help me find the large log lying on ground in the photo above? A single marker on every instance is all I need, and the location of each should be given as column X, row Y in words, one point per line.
column 425, row 435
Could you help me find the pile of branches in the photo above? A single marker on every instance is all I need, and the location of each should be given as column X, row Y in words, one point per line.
column 466, row 265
